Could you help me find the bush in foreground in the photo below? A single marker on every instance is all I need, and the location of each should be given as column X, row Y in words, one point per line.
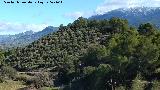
column 42, row 80
column 8, row 72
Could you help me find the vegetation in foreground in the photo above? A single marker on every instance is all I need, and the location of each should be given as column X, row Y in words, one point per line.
column 11, row 85
column 91, row 55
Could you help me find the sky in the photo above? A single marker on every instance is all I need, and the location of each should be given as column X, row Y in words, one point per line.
column 16, row 18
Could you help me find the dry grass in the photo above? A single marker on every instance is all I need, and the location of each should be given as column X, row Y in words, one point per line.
column 11, row 85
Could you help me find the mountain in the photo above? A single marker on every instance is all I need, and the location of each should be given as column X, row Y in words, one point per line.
column 67, row 43
column 89, row 54
column 25, row 38
column 135, row 16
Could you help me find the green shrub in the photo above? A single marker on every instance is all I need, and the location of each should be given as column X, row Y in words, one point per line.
column 1, row 79
column 42, row 80
column 156, row 85
column 89, row 70
column 138, row 83
column 21, row 78
column 120, row 88
column 8, row 72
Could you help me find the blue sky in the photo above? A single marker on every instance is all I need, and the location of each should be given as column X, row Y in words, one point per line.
column 16, row 18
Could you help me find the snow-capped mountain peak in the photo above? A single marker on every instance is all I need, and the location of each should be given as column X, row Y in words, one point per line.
column 135, row 16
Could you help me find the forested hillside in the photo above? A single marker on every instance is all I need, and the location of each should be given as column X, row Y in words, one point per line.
column 94, row 55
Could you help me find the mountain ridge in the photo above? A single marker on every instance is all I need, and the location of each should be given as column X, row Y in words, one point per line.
column 135, row 16
column 24, row 38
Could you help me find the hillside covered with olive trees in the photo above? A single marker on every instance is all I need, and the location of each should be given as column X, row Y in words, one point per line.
column 91, row 55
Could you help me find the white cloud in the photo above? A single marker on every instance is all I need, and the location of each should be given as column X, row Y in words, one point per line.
column 74, row 15
column 14, row 28
column 109, row 5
